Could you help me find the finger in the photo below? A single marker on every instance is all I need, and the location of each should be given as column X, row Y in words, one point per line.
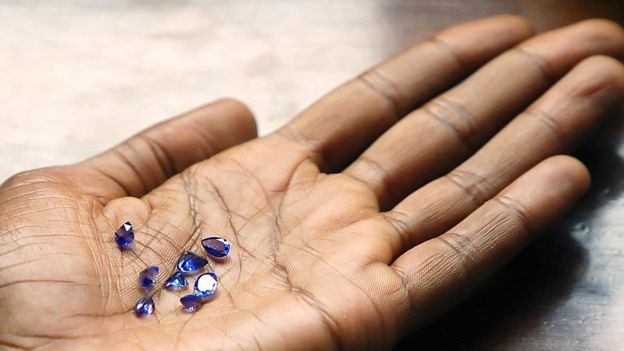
column 144, row 161
column 436, row 137
column 552, row 125
column 341, row 124
column 445, row 269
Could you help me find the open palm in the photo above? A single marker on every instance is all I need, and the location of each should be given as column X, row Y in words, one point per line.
column 367, row 216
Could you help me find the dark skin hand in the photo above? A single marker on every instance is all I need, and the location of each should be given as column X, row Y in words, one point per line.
column 364, row 218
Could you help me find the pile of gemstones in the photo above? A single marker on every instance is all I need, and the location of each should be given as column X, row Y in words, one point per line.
column 188, row 264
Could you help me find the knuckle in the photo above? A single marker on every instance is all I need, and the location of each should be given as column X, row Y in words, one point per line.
column 456, row 118
column 512, row 208
column 465, row 253
column 445, row 45
column 164, row 161
column 536, row 61
column 399, row 221
column 550, row 123
column 385, row 88
column 370, row 171
column 30, row 177
column 472, row 184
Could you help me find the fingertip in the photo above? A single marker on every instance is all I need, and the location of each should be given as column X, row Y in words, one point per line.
column 548, row 190
column 569, row 170
column 519, row 24
column 239, row 114
column 513, row 26
column 602, row 28
column 580, row 40
column 604, row 72
column 144, row 161
column 491, row 35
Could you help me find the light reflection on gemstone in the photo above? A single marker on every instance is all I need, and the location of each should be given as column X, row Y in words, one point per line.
column 216, row 246
column 191, row 303
column 206, row 285
column 190, row 263
column 176, row 281
column 124, row 236
column 147, row 278
column 144, row 307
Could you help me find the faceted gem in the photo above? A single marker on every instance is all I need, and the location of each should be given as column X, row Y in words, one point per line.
column 206, row 285
column 191, row 303
column 144, row 307
column 124, row 236
column 217, row 247
column 147, row 278
column 190, row 263
column 176, row 281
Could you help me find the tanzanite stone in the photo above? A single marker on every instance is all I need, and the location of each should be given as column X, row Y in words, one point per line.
column 144, row 307
column 190, row 263
column 124, row 236
column 206, row 285
column 191, row 303
column 176, row 281
column 147, row 278
column 217, row 247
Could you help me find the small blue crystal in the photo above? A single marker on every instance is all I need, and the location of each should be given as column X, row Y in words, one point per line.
column 144, row 307
column 191, row 303
column 206, row 285
column 124, row 236
column 217, row 247
column 176, row 281
column 147, row 278
column 190, row 263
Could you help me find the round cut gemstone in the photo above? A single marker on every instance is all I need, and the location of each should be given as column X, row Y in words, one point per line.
column 216, row 247
column 191, row 303
column 176, row 281
column 190, row 263
column 124, row 236
column 147, row 278
column 206, row 285
column 144, row 307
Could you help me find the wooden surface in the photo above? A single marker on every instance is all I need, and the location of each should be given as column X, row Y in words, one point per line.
column 77, row 78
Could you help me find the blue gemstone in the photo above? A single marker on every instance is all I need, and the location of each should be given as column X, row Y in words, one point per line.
column 191, row 303
column 147, row 278
column 124, row 236
column 144, row 307
column 206, row 285
column 176, row 281
column 190, row 263
column 217, row 247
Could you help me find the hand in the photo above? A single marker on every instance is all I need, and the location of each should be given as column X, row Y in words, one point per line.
column 367, row 216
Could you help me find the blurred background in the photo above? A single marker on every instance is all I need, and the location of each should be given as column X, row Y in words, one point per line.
column 77, row 77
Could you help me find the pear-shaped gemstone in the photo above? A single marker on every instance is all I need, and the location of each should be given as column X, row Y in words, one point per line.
column 216, row 246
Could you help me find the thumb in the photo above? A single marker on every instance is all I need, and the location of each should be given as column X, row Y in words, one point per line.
column 147, row 159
